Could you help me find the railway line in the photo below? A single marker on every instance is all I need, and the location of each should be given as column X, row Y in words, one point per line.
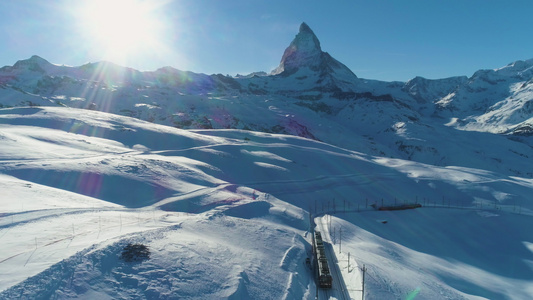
column 338, row 288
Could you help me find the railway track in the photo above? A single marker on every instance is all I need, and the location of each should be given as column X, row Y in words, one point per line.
column 338, row 289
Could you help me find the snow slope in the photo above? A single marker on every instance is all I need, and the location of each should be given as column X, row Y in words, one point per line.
column 225, row 214
column 437, row 253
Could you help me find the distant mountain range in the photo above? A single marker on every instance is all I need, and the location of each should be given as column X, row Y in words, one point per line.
column 485, row 121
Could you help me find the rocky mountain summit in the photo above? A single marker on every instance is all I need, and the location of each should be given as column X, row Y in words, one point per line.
column 485, row 120
column 305, row 52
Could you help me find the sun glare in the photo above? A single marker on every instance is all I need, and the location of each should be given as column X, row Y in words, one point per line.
column 122, row 29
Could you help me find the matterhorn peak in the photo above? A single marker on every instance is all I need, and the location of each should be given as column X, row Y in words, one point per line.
column 306, row 40
column 304, row 50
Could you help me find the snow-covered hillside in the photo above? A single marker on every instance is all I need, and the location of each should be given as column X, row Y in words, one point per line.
column 225, row 214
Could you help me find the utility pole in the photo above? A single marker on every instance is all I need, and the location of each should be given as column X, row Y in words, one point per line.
column 340, row 240
column 363, row 289
column 311, row 222
column 329, row 216
column 348, row 262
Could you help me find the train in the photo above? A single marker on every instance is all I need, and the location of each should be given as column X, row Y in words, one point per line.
column 324, row 275
column 400, row 207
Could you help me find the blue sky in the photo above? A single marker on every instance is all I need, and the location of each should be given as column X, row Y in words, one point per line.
column 379, row 39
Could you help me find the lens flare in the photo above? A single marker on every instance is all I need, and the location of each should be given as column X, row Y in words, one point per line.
column 412, row 295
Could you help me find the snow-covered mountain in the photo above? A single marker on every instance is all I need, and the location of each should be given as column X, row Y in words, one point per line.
column 310, row 94
column 497, row 101
column 95, row 157
column 305, row 52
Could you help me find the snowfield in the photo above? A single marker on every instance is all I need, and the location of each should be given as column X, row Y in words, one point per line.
column 226, row 214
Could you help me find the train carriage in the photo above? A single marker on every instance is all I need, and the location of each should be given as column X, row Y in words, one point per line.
column 324, row 275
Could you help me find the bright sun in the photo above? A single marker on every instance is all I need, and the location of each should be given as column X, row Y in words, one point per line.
column 122, row 29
